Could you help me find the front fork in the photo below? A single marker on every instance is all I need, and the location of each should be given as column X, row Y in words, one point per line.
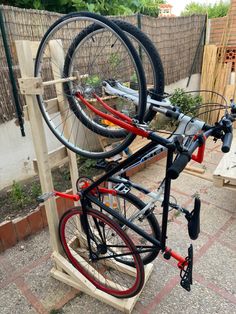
column 166, row 200
column 184, row 264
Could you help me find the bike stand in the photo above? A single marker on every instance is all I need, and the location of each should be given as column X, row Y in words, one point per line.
column 74, row 278
column 30, row 87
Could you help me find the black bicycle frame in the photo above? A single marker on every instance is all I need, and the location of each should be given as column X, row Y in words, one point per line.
column 129, row 161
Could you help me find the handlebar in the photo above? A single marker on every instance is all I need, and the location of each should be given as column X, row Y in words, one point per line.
column 222, row 130
column 178, row 165
column 227, row 141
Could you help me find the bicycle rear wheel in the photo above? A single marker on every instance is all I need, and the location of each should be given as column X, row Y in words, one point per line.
column 96, row 58
column 151, row 62
column 107, row 242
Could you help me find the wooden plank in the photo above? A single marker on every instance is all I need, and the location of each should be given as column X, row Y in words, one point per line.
column 34, row 45
column 59, row 81
column 229, row 92
column 194, row 169
column 57, row 58
column 52, row 105
column 222, row 78
column 207, row 76
column 75, row 279
column 56, row 157
column 226, row 169
column 138, row 143
column 72, row 271
column 30, row 85
column 26, row 64
column 205, row 176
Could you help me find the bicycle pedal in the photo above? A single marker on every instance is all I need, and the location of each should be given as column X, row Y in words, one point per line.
column 44, row 197
column 186, row 273
column 194, row 220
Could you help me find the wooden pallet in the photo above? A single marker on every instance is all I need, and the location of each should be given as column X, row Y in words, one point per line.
column 225, row 173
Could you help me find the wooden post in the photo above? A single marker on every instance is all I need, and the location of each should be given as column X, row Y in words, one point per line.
column 26, row 64
column 57, row 57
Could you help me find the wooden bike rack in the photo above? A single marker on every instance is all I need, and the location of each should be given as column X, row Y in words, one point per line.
column 30, row 86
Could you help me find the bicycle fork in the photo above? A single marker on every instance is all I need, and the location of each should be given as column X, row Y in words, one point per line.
column 184, row 264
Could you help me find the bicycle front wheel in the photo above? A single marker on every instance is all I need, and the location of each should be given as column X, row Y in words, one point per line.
column 130, row 207
column 96, row 258
column 71, row 60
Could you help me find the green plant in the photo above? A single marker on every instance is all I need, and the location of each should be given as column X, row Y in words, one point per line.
column 114, row 61
column 35, row 189
column 93, row 80
column 187, row 102
column 87, row 167
column 219, row 9
column 133, row 78
column 17, row 195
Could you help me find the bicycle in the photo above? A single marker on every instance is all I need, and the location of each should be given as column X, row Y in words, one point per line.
column 101, row 234
column 89, row 196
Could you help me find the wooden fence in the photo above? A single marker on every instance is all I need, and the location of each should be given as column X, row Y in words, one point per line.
column 175, row 38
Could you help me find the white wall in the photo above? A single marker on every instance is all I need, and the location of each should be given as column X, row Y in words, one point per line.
column 17, row 152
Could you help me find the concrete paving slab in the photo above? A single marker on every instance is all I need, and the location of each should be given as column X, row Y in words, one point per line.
column 12, row 301
column 33, row 248
column 48, row 290
column 200, row 301
column 218, row 265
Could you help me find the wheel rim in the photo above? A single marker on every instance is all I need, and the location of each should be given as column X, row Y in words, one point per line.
column 127, row 286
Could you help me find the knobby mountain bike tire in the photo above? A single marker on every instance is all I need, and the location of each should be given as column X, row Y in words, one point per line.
column 150, row 60
column 107, row 240
column 127, row 205
column 95, row 60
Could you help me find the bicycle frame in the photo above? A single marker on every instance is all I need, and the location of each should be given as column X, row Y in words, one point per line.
column 86, row 195
column 127, row 124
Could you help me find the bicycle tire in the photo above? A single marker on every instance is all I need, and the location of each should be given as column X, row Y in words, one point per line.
column 86, row 145
column 147, row 222
column 153, row 68
column 103, row 281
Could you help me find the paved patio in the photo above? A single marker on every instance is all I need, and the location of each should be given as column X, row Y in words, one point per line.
column 27, row 287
